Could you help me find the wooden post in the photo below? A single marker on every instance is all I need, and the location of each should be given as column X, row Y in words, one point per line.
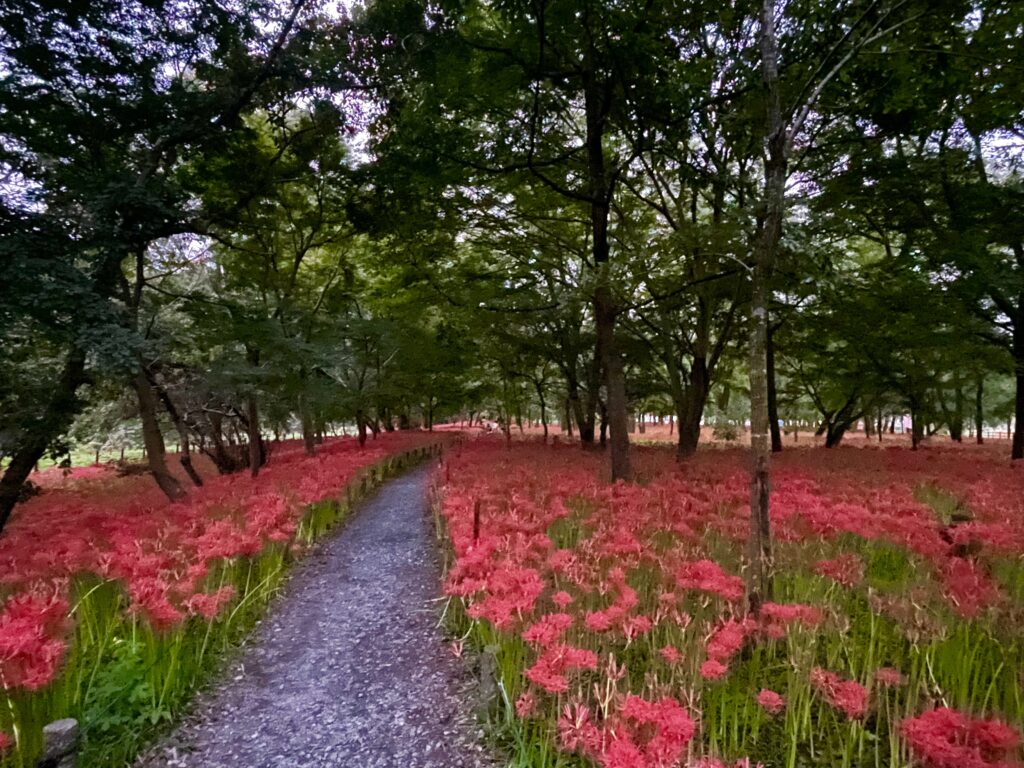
column 476, row 520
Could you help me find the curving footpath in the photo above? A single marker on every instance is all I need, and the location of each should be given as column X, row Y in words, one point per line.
column 349, row 669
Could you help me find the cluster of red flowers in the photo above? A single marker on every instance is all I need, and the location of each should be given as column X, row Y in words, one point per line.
column 945, row 738
column 583, row 570
column 123, row 529
column 32, row 628
column 848, row 696
column 637, row 734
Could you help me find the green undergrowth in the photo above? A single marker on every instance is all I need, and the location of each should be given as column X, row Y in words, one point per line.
column 127, row 683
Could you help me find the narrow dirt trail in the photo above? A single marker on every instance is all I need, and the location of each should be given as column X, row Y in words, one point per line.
column 349, row 669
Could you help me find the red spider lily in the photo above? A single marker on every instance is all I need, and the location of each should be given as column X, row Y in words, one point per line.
column 708, row 576
column 646, row 734
column 576, row 732
column 210, row 605
column 968, row 588
column 5, row 742
column 712, row 669
column 548, row 629
column 847, row 569
column 775, row 618
column 549, row 671
column 526, row 705
column 848, row 696
column 945, row 738
column 887, row 677
column 32, row 646
column 123, row 529
column 671, row 654
column 562, row 599
column 770, row 701
column 727, row 639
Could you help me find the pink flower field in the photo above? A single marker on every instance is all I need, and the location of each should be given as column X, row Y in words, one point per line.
column 96, row 556
column 618, row 619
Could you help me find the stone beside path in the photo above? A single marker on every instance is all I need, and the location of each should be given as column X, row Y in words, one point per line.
column 349, row 669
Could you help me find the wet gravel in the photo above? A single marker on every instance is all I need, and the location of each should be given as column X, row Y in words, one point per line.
column 349, row 668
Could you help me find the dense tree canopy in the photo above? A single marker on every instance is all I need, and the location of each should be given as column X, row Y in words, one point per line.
column 222, row 222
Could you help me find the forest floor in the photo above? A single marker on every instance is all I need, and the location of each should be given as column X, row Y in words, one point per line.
column 350, row 667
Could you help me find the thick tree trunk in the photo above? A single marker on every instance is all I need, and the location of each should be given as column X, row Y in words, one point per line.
column 617, row 406
column 773, row 401
column 769, row 233
column 61, row 408
column 153, row 439
column 956, row 422
column 361, row 427
column 597, row 107
column 691, row 409
column 834, row 433
column 916, row 428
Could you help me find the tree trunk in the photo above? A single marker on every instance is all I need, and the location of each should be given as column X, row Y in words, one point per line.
column 979, row 412
column 308, row 438
column 61, row 408
column 256, row 452
column 773, row 401
column 361, row 427
column 597, row 107
column 916, row 428
column 691, row 409
column 185, row 455
column 956, row 423
column 616, row 410
column 543, row 409
column 1017, row 450
column 767, row 239
column 153, row 439
column 834, row 433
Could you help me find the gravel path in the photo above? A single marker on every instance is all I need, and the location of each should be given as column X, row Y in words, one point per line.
column 349, row 669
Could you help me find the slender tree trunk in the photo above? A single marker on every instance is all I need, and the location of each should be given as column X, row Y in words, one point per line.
column 768, row 236
column 153, row 439
column 185, row 455
column 979, row 411
column 306, row 417
column 588, row 423
column 1017, row 450
column 773, row 400
column 61, row 408
column 256, row 453
column 543, row 409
